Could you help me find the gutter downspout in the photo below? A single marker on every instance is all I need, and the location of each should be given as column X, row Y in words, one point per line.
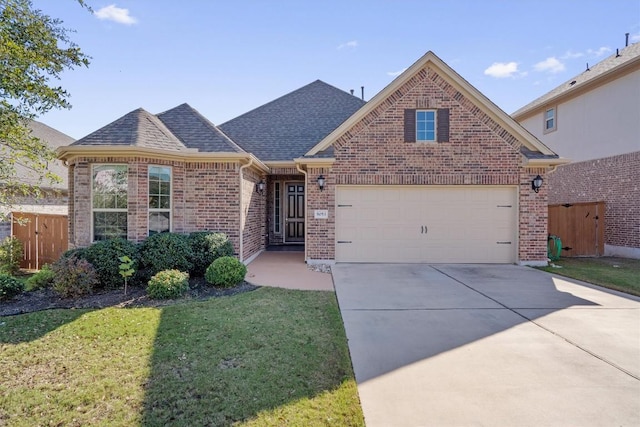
column 306, row 210
column 242, row 219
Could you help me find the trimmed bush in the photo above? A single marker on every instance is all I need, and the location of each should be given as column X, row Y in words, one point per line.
column 77, row 252
column 105, row 257
column 10, row 255
column 42, row 279
column 166, row 251
column 168, row 284
column 9, row 287
column 207, row 246
column 226, row 271
column 74, row 277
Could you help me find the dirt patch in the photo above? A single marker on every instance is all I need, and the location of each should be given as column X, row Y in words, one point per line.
column 46, row 299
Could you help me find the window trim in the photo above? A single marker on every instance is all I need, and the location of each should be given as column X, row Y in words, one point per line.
column 91, row 192
column 152, row 210
column 545, row 120
column 435, row 126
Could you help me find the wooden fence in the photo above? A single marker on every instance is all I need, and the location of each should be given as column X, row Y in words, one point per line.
column 580, row 227
column 44, row 238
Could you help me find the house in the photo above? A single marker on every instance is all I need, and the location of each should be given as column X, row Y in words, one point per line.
column 429, row 170
column 594, row 120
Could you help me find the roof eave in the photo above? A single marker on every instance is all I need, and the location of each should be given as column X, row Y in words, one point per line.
column 545, row 162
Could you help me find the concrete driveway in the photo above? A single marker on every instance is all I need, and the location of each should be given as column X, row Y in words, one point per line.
column 458, row 345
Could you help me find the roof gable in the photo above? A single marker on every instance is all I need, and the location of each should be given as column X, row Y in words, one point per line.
column 195, row 131
column 289, row 126
column 138, row 128
column 626, row 59
column 459, row 88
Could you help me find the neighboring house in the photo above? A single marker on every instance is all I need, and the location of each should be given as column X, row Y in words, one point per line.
column 594, row 120
column 429, row 170
column 54, row 199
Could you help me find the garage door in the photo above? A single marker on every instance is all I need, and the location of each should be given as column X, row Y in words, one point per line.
column 459, row 224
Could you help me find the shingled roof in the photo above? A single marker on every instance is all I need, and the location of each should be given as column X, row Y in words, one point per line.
column 138, row 128
column 195, row 131
column 626, row 56
column 291, row 125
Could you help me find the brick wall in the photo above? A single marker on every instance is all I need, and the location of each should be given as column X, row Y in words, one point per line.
column 614, row 180
column 479, row 152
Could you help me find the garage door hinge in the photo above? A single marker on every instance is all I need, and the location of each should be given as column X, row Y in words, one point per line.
column 345, row 206
column 503, row 243
column 344, row 241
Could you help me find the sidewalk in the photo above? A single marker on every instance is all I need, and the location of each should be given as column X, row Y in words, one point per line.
column 286, row 270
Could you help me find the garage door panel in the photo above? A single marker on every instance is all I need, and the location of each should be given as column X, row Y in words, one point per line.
column 426, row 224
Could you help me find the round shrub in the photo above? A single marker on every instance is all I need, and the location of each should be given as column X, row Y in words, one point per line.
column 42, row 279
column 105, row 257
column 166, row 251
column 207, row 246
column 226, row 271
column 9, row 287
column 74, row 277
column 168, row 284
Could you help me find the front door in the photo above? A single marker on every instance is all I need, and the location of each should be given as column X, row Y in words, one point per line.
column 294, row 218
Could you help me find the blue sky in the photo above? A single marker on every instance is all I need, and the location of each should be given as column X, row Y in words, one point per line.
column 225, row 58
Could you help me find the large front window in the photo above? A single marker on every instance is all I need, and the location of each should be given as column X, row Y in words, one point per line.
column 159, row 199
column 109, row 201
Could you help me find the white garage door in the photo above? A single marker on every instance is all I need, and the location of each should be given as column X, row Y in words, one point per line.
column 457, row 224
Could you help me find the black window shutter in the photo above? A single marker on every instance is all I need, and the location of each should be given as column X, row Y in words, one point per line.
column 443, row 125
column 410, row 125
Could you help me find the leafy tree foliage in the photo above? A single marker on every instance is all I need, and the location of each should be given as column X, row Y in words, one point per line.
column 34, row 50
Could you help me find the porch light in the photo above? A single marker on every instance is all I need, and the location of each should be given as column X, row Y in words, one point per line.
column 260, row 187
column 536, row 183
column 321, row 182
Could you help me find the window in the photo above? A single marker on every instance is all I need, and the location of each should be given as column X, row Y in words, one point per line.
column 109, row 201
column 276, row 207
column 550, row 120
column 159, row 199
column 426, row 125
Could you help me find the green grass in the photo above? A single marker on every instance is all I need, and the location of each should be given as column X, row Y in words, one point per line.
column 267, row 357
column 621, row 274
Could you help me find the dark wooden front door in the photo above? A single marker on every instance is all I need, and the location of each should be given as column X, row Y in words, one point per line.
column 294, row 218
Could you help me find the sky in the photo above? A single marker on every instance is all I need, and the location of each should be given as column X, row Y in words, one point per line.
column 225, row 58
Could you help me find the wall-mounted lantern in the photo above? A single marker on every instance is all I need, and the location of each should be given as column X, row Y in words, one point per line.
column 321, row 182
column 260, row 187
column 536, row 183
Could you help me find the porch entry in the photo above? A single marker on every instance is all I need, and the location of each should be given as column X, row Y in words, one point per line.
column 294, row 212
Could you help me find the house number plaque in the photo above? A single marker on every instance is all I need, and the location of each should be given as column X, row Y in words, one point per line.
column 321, row 214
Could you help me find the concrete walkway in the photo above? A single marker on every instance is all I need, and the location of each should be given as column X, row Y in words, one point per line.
column 286, row 270
column 458, row 345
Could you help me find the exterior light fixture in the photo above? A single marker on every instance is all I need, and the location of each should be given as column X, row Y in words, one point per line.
column 260, row 187
column 321, row 181
column 536, row 183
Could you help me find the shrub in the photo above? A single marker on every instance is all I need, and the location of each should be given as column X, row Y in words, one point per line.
column 77, row 252
column 168, row 284
column 74, row 277
column 166, row 251
column 10, row 255
column 226, row 271
column 105, row 257
column 42, row 279
column 207, row 246
column 9, row 287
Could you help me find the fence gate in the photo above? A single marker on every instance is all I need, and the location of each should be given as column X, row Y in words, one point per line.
column 580, row 227
column 44, row 238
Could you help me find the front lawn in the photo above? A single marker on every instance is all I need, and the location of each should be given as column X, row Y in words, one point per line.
column 621, row 274
column 267, row 357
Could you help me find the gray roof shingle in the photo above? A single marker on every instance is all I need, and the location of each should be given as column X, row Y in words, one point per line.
column 629, row 53
column 138, row 128
column 195, row 131
column 291, row 125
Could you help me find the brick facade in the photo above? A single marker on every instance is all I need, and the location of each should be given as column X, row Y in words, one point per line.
column 614, row 180
column 479, row 152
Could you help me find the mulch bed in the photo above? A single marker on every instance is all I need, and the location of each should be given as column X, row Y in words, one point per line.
column 47, row 299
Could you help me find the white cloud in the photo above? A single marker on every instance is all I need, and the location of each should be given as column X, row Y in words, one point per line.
column 395, row 73
column 572, row 55
column 599, row 52
column 115, row 14
column 501, row 70
column 634, row 38
column 551, row 65
column 352, row 45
